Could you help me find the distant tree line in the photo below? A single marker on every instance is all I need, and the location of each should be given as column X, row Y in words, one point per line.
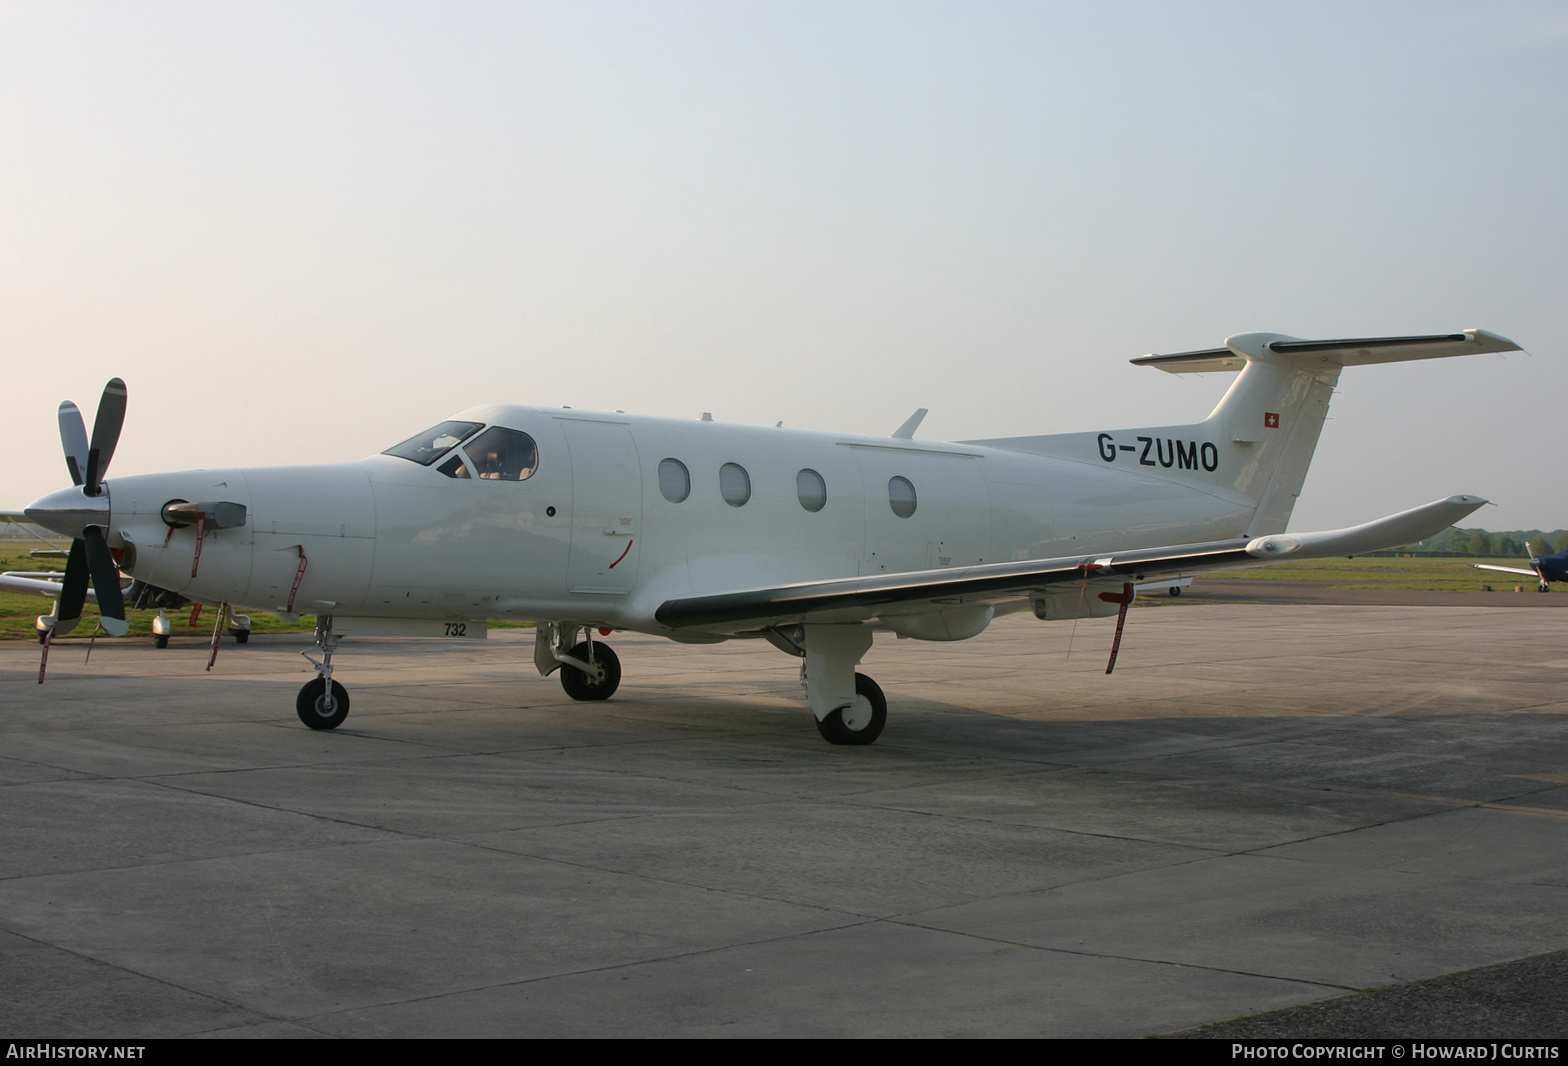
column 1513, row 542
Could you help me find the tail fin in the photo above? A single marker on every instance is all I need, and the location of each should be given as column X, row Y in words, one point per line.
column 1270, row 418
column 1257, row 443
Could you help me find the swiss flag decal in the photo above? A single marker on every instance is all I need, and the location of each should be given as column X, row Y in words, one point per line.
column 1270, row 420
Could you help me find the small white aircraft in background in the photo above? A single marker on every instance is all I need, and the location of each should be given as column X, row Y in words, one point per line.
column 702, row 532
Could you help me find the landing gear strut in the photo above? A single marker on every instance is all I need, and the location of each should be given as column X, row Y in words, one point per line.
column 590, row 669
column 322, row 703
column 849, row 708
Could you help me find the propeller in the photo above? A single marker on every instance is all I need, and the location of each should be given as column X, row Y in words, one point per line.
column 84, row 516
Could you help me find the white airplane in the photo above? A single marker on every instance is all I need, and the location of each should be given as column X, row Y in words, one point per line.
column 702, row 532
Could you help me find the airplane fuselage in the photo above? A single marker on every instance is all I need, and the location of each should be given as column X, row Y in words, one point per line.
column 621, row 513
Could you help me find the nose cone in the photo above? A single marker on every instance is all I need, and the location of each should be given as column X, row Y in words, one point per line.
column 69, row 511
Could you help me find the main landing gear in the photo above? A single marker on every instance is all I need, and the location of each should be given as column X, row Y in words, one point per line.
column 322, row 703
column 590, row 669
column 163, row 626
column 859, row 723
column 849, row 707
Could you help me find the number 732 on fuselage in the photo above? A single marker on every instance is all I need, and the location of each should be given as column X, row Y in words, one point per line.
column 702, row 531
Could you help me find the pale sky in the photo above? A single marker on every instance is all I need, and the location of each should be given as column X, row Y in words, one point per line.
column 304, row 231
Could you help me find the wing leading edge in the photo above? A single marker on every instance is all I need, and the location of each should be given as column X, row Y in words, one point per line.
column 862, row 598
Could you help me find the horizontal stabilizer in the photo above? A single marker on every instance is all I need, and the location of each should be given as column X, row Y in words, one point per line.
column 1343, row 352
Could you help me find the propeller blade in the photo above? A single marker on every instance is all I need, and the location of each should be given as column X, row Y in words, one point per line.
column 73, row 437
column 106, row 582
column 106, row 434
column 73, row 590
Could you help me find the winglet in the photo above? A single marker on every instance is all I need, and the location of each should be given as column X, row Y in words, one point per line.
column 912, row 423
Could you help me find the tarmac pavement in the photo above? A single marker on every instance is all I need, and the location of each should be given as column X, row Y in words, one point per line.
column 1264, row 807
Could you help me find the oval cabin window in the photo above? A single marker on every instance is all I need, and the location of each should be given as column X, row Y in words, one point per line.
column 901, row 496
column 674, row 480
column 811, row 489
column 734, row 484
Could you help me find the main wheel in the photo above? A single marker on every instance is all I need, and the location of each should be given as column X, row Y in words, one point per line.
column 862, row 721
column 582, row 686
column 1175, row 590
column 160, row 640
column 318, row 709
column 241, row 636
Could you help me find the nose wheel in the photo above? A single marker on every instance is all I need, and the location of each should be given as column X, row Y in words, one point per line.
column 322, row 703
column 321, row 708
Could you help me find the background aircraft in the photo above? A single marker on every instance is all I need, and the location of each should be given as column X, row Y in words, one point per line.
column 699, row 531
column 1544, row 568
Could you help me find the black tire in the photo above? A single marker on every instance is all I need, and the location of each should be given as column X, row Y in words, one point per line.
column 580, row 686
column 241, row 636
column 1175, row 590
column 867, row 729
column 317, row 710
column 160, row 640
column 43, row 636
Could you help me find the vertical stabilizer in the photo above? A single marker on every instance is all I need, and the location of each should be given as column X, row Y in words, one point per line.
column 1254, row 449
column 1269, row 420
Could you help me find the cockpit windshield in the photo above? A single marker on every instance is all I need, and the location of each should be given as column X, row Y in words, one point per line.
column 435, row 442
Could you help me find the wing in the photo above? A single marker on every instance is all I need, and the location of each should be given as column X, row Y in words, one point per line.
column 862, row 598
column 43, row 584
column 1507, row 569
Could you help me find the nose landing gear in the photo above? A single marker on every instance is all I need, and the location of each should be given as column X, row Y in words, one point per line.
column 322, row 703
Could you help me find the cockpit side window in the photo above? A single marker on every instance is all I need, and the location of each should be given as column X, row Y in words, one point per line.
column 501, row 454
column 454, row 467
column 435, row 442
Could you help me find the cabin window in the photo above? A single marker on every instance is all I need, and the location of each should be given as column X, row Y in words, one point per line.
column 811, row 489
column 674, row 480
column 454, row 467
column 734, row 484
column 434, row 442
column 901, row 496
column 501, row 454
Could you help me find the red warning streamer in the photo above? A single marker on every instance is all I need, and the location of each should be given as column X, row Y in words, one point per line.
column 217, row 631
column 1125, row 599
column 201, row 530
column 299, row 575
column 43, row 664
